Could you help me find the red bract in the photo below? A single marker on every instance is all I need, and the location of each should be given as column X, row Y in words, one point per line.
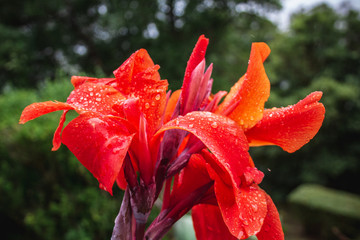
column 130, row 130
column 107, row 126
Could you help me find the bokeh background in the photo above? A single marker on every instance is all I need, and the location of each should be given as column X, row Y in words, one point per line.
column 50, row 195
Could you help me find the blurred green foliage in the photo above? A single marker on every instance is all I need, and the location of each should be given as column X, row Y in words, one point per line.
column 327, row 213
column 50, row 195
column 44, row 194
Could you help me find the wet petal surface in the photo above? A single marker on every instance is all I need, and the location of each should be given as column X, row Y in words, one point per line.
column 38, row 109
column 95, row 98
column 243, row 213
column 208, row 223
column 271, row 229
column 252, row 90
column 290, row 127
column 100, row 143
column 222, row 136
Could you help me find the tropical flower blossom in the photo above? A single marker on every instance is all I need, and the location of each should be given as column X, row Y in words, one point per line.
column 187, row 145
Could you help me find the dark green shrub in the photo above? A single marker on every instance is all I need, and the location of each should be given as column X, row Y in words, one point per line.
column 45, row 194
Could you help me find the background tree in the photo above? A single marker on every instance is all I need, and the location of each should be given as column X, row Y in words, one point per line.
column 96, row 36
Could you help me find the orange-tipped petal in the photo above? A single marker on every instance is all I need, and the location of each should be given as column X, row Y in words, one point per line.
column 38, row 109
column 271, row 229
column 100, row 143
column 251, row 92
column 290, row 127
column 208, row 223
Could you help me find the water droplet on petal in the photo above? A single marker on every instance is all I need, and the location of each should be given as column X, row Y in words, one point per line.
column 157, row 97
column 240, row 235
column 214, row 125
column 255, row 207
column 147, row 105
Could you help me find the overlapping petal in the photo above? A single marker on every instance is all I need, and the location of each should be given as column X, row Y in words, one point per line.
column 225, row 140
column 290, row 127
column 271, row 228
column 222, row 136
column 138, row 77
column 248, row 96
column 208, row 223
column 192, row 177
column 97, row 98
column 100, row 143
column 243, row 208
column 171, row 105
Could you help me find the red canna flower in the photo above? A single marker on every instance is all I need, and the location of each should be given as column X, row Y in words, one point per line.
column 116, row 115
column 190, row 142
column 227, row 130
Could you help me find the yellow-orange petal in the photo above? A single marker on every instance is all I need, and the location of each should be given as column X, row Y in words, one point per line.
column 251, row 92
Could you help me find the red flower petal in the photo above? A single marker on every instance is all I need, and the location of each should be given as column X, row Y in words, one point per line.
column 138, row 62
column 271, row 229
column 95, row 98
column 76, row 81
column 120, row 179
column 208, row 223
column 151, row 92
column 290, row 127
column 38, row 109
column 193, row 176
column 171, row 105
column 57, row 138
column 243, row 213
column 224, row 138
column 138, row 77
column 100, row 143
column 252, row 90
column 197, row 55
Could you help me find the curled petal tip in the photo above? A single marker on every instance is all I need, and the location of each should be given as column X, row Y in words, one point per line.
column 263, row 49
